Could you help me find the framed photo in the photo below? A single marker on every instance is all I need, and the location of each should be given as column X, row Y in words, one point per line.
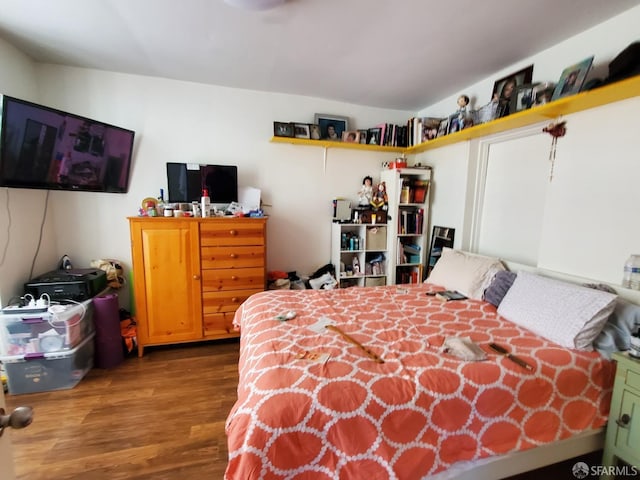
column 283, row 129
column 301, row 130
column 314, row 132
column 454, row 123
column 504, row 89
column 363, row 136
column 373, row 136
column 351, row 136
column 331, row 126
column 572, row 79
column 523, row 98
column 542, row 93
column 443, row 128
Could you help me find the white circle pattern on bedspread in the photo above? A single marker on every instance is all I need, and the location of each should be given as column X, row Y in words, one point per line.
column 414, row 415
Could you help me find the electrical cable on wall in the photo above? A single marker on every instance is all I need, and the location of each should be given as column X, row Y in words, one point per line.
column 6, row 245
column 44, row 217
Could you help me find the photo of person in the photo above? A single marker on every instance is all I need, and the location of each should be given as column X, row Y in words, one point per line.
column 373, row 136
column 363, row 136
column 314, row 131
column 331, row 127
column 351, row 136
column 504, row 89
column 572, row 79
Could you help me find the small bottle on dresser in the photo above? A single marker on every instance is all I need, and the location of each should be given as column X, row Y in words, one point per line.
column 205, row 202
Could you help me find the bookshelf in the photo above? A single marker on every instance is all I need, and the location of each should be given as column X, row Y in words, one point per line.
column 367, row 244
column 408, row 192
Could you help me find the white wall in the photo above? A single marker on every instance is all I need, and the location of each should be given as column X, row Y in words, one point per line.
column 604, row 42
column 187, row 122
column 21, row 211
column 586, row 223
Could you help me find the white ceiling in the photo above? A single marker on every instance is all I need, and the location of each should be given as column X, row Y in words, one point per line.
column 399, row 54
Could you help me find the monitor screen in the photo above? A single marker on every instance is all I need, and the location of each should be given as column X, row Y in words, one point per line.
column 186, row 181
column 41, row 147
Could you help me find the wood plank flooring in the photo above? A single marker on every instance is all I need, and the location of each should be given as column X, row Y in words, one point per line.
column 159, row 417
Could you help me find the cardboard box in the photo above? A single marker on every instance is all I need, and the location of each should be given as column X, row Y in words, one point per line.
column 376, row 238
column 374, row 281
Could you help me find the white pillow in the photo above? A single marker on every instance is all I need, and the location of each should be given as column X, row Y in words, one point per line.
column 465, row 272
column 570, row 315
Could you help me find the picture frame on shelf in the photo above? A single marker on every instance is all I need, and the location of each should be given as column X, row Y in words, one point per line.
column 331, row 126
column 522, row 98
column 283, row 129
column 363, row 136
column 373, row 136
column 440, row 237
column 351, row 136
column 314, row 131
column 301, row 130
column 542, row 93
column 572, row 79
column 443, row 128
column 454, row 124
column 505, row 87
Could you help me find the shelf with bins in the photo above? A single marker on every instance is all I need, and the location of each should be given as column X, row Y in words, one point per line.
column 408, row 194
column 359, row 254
column 597, row 97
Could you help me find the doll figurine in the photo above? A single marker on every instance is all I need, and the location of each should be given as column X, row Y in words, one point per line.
column 379, row 200
column 366, row 192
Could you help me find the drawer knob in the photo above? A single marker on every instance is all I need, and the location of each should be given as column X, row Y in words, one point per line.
column 196, row 277
column 233, row 277
column 233, row 232
column 233, row 255
column 234, row 299
column 624, row 420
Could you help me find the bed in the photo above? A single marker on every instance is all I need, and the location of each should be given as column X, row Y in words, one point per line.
column 312, row 405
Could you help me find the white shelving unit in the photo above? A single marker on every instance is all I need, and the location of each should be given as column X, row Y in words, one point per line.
column 367, row 244
column 408, row 209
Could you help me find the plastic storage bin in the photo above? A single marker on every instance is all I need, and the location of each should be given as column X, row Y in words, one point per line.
column 49, row 371
column 37, row 333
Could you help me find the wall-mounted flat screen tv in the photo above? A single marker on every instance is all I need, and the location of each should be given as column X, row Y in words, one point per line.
column 41, row 147
column 186, row 181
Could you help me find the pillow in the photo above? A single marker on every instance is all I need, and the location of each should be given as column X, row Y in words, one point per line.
column 570, row 315
column 468, row 273
column 615, row 336
column 499, row 287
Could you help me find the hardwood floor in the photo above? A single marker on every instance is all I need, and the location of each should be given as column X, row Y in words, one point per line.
column 159, row 417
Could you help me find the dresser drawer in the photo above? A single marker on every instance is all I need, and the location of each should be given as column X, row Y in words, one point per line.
column 231, row 232
column 220, row 279
column 226, row 301
column 232, row 257
column 219, row 325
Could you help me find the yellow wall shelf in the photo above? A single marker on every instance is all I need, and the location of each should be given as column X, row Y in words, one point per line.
column 330, row 144
column 614, row 92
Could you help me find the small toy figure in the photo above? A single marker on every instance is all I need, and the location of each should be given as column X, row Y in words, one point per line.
column 380, row 198
column 463, row 104
column 366, row 192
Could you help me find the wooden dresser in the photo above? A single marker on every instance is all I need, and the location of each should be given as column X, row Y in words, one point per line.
column 191, row 274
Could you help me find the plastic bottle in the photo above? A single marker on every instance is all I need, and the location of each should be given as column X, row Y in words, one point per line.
column 631, row 277
column 205, row 202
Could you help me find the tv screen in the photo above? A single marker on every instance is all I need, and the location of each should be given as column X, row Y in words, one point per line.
column 41, row 147
column 185, row 182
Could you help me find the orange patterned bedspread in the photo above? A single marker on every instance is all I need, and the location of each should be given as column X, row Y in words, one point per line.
column 414, row 415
